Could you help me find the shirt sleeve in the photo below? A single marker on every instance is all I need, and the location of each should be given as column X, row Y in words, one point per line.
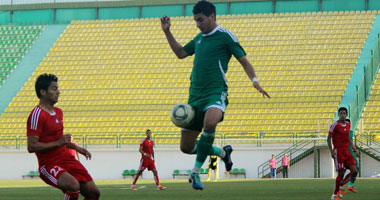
column 142, row 142
column 35, row 123
column 234, row 46
column 190, row 47
column 332, row 129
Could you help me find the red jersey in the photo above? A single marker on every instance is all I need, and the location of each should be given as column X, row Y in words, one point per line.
column 340, row 135
column 49, row 128
column 147, row 147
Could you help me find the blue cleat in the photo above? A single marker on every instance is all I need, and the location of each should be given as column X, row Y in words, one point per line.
column 197, row 184
column 227, row 159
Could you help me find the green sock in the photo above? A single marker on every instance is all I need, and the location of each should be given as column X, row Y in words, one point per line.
column 352, row 181
column 213, row 151
column 204, row 147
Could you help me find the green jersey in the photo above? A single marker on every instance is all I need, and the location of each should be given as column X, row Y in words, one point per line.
column 352, row 135
column 212, row 53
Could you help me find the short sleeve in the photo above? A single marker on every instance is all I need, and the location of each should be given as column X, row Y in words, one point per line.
column 234, row 46
column 142, row 142
column 190, row 47
column 332, row 129
column 35, row 123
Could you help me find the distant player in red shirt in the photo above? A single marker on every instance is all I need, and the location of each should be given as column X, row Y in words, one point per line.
column 343, row 159
column 57, row 166
column 147, row 160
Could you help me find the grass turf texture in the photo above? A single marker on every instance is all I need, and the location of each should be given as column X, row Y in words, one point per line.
column 279, row 189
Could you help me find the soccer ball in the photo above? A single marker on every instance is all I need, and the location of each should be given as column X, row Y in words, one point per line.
column 182, row 115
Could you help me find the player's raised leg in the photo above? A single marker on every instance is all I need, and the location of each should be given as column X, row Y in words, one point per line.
column 68, row 184
column 189, row 145
column 89, row 190
column 350, row 177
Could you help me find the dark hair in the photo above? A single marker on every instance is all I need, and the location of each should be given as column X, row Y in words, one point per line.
column 147, row 130
column 204, row 7
column 342, row 108
column 43, row 82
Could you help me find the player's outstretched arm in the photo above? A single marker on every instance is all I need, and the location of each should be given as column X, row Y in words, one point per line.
column 174, row 45
column 35, row 146
column 250, row 71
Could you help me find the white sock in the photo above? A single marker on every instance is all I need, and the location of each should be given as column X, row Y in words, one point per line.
column 222, row 153
column 195, row 170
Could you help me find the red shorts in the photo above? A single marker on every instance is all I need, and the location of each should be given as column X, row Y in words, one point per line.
column 147, row 163
column 343, row 159
column 51, row 172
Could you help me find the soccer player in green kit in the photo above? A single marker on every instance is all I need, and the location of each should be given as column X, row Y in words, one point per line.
column 353, row 179
column 213, row 48
column 350, row 186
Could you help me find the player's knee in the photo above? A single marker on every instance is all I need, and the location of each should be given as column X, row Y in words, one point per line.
column 185, row 149
column 210, row 125
column 73, row 186
column 96, row 193
column 93, row 194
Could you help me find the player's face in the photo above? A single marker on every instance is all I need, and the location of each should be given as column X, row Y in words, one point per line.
column 342, row 115
column 148, row 134
column 204, row 23
column 52, row 93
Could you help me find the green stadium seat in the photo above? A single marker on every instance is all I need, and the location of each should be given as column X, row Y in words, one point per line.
column 133, row 172
column 125, row 173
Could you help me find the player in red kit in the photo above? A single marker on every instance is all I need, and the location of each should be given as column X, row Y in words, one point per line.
column 343, row 159
column 147, row 160
column 57, row 166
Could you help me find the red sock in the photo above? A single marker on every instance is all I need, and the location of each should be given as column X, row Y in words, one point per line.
column 156, row 179
column 71, row 195
column 347, row 178
column 135, row 180
column 338, row 182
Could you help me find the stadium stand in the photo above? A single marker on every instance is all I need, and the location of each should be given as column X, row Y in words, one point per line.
column 14, row 43
column 119, row 77
column 371, row 114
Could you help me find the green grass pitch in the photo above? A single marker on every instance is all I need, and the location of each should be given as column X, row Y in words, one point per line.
column 231, row 189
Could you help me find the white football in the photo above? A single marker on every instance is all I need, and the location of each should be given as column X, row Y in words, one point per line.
column 182, row 115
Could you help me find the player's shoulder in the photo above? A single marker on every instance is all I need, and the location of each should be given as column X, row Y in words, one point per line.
column 36, row 111
column 58, row 110
column 227, row 34
column 335, row 124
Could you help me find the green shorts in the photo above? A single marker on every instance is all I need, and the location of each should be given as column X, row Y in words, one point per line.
column 204, row 102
